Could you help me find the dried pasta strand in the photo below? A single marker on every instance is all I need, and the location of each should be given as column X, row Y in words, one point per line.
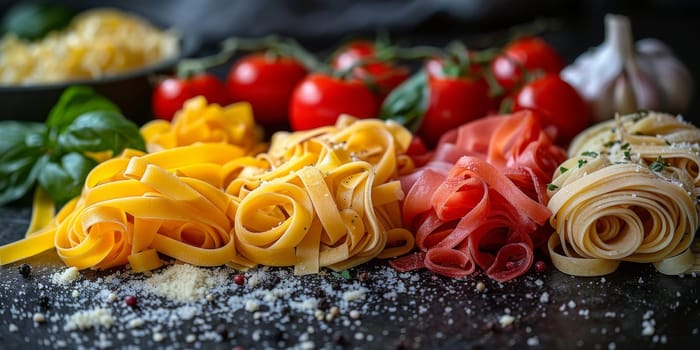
column 322, row 198
column 326, row 197
column 628, row 193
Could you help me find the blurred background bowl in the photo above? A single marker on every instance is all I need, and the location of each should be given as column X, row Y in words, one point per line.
column 131, row 91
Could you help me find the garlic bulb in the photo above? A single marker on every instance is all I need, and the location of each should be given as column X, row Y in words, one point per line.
column 617, row 77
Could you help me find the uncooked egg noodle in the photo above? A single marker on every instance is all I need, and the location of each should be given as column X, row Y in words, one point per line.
column 628, row 192
column 323, row 198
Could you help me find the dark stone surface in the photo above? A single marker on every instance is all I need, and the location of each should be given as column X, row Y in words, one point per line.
column 432, row 312
column 416, row 310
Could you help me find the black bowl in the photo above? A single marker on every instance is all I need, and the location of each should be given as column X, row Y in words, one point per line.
column 131, row 91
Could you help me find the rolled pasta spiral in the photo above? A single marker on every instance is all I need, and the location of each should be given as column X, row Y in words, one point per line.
column 628, row 192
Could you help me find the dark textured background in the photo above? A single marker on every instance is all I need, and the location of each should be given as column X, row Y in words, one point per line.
column 320, row 25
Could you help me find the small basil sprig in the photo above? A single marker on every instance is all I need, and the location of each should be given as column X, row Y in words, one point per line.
column 408, row 102
column 53, row 155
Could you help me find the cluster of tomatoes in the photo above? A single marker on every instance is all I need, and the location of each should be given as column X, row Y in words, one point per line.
column 365, row 80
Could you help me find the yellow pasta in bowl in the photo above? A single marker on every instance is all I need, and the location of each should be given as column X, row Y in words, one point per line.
column 98, row 43
column 115, row 52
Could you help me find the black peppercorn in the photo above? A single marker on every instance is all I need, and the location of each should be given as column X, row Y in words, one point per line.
column 339, row 339
column 25, row 270
column 44, row 301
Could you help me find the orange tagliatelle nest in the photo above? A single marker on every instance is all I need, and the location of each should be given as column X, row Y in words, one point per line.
column 326, row 197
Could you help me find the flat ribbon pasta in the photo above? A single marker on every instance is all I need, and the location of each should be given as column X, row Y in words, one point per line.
column 628, row 192
column 324, row 198
column 198, row 121
column 137, row 205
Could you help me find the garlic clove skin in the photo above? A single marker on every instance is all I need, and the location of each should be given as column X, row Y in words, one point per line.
column 673, row 79
column 646, row 92
column 594, row 70
column 621, row 77
column 624, row 100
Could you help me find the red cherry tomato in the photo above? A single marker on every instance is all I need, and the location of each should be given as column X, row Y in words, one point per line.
column 386, row 75
column 530, row 53
column 557, row 103
column 416, row 147
column 320, row 99
column 267, row 83
column 171, row 93
column 452, row 101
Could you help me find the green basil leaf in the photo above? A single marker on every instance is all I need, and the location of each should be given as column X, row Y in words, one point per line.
column 32, row 20
column 19, row 169
column 408, row 102
column 74, row 102
column 64, row 180
column 14, row 134
column 100, row 131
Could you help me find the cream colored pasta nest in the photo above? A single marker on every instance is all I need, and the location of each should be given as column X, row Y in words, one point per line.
column 98, row 43
column 628, row 192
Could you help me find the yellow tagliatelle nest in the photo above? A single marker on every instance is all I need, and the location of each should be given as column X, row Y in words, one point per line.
column 628, row 193
column 98, row 43
column 325, row 197
column 198, row 121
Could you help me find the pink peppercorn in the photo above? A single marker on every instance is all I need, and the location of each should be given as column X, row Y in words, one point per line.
column 239, row 279
column 130, row 300
column 540, row 266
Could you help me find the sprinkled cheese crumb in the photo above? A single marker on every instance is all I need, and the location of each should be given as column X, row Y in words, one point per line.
column 533, row 341
column 181, row 282
column 135, row 323
column 251, row 306
column 13, row 328
column 66, row 276
column 307, row 345
column 353, row 295
column 506, row 320
column 39, row 318
column 83, row 320
column 158, row 337
column 480, row 286
column 648, row 330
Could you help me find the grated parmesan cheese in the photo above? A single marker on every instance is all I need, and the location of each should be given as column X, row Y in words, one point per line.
column 506, row 320
column 86, row 319
column 66, row 276
column 181, row 282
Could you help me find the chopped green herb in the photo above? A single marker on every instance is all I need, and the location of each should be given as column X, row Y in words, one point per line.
column 625, row 145
column 345, row 274
column 581, row 162
column 563, row 169
column 610, row 143
column 627, row 154
column 668, row 143
column 552, row 187
column 590, row 154
column 658, row 165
